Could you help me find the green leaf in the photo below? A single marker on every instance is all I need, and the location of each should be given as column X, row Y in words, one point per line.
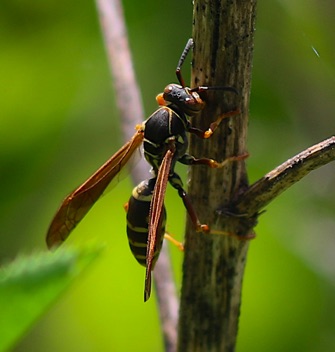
column 30, row 284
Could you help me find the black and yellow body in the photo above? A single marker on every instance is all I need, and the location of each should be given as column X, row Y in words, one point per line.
column 164, row 123
column 164, row 138
column 138, row 208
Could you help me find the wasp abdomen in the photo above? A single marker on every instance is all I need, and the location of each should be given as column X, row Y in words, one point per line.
column 137, row 222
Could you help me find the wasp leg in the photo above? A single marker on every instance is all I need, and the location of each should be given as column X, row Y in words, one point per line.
column 126, row 207
column 187, row 159
column 178, row 244
column 213, row 126
column 247, row 237
column 176, row 182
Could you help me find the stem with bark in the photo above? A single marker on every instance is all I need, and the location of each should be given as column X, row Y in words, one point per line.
column 214, row 265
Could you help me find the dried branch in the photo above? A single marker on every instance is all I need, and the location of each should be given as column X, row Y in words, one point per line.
column 167, row 298
column 128, row 96
column 129, row 102
column 262, row 192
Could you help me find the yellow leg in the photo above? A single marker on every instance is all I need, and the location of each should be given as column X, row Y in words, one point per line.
column 174, row 241
column 213, row 126
column 249, row 236
column 215, row 164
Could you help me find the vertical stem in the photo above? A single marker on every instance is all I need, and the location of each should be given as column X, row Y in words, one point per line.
column 128, row 99
column 214, row 264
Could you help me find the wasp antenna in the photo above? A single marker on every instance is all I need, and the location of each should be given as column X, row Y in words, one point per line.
column 204, row 88
column 183, row 55
column 229, row 89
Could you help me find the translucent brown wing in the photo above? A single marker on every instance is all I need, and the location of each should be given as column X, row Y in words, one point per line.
column 76, row 205
column 155, row 215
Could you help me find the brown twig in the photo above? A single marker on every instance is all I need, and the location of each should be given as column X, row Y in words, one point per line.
column 128, row 96
column 168, row 302
column 250, row 202
column 129, row 103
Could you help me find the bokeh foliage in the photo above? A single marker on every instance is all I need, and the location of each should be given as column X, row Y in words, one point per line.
column 59, row 123
column 30, row 284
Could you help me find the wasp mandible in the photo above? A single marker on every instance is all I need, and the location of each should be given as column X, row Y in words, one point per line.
column 164, row 138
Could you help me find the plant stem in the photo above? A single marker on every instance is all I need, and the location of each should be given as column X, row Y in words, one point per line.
column 128, row 98
column 214, row 264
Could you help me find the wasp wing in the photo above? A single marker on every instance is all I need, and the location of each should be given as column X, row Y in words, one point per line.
column 155, row 215
column 76, row 205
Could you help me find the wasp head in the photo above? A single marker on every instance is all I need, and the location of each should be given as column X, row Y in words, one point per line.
column 183, row 97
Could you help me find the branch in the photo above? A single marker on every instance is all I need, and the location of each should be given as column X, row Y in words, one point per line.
column 266, row 189
column 127, row 92
column 131, row 111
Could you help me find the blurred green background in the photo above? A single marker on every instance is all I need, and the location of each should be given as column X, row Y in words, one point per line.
column 59, row 123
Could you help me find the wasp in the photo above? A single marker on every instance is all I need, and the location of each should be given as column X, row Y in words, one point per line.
column 165, row 142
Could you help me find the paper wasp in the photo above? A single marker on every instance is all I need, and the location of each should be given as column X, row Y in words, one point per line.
column 165, row 142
